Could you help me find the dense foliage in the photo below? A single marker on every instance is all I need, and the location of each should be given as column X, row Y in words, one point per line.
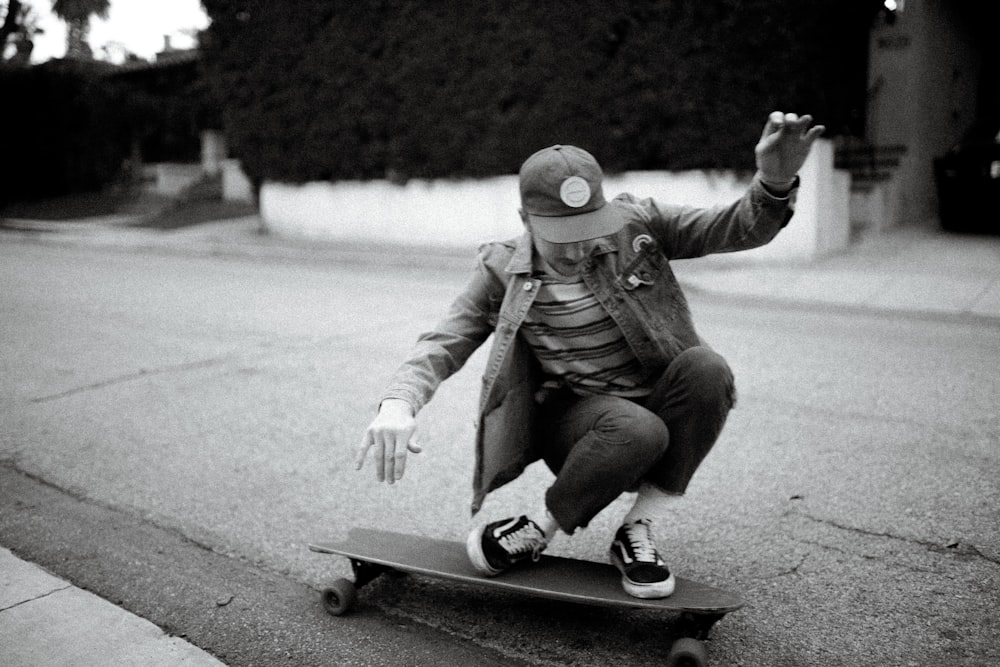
column 62, row 131
column 165, row 107
column 77, row 126
column 339, row 89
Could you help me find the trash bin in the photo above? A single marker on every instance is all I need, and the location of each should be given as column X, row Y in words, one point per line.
column 968, row 186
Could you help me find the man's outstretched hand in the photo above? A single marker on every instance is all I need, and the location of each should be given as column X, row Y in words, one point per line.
column 393, row 435
column 784, row 146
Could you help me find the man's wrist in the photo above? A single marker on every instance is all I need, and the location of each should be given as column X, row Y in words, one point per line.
column 398, row 405
column 778, row 186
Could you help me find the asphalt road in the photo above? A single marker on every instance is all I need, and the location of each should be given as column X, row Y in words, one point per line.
column 210, row 407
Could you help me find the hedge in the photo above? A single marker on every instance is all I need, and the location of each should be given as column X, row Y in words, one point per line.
column 165, row 107
column 71, row 126
column 61, row 131
column 329, row 90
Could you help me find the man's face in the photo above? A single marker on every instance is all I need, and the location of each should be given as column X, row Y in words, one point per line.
column 563, row 259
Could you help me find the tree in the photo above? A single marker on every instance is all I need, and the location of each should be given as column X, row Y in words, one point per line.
column 19, row 27
column 76, row 14
column 340, row 89
column 11, row 21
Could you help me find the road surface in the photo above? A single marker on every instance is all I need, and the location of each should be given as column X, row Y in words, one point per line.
column 211, row 406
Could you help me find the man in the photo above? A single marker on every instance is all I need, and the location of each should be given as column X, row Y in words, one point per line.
column 596, row 367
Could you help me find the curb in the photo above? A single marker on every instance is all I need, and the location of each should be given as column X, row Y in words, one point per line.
column 45, row 620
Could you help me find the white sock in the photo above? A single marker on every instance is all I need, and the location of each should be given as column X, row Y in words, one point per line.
column 650, row 503
column 547, row 523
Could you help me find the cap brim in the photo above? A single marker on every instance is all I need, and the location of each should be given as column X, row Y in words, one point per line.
column 575, row 228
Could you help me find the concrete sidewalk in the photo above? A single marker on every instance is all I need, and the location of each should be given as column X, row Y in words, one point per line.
column 917, row 270
column 45, row 620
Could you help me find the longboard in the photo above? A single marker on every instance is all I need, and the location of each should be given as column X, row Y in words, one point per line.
column 373, row 552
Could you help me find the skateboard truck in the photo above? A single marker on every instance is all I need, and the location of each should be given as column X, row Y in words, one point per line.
column 365, row 572
column 698, row 626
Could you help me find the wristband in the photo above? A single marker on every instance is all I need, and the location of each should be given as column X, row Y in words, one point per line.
column 779, row 189
column 780, row 184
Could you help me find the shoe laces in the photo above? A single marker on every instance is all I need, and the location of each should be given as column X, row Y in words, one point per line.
column 527, row 538
column 640, row 538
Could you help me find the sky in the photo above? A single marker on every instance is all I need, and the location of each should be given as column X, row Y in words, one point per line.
column 137, row 25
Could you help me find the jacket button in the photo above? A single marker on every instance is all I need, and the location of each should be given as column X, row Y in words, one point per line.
column 528, row 287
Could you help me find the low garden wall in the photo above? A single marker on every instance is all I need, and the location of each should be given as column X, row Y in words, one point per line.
column 466, row 213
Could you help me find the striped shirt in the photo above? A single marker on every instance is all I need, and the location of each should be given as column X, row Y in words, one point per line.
column 578, row 344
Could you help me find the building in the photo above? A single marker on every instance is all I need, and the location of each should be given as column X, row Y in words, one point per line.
column 933, row 84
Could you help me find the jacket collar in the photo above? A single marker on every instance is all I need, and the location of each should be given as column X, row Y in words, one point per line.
column 520, row 261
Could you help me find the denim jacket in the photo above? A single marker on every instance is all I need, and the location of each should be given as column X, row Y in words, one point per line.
column 629, row 274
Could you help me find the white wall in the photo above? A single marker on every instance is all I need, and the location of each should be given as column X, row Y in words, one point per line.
column 445, row 213
column 465, row 213
column 821, row 225
column 235, row 184
column 213, row 151
column 169, row 178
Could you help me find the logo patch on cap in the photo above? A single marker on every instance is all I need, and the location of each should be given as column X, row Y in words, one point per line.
column 575, row 192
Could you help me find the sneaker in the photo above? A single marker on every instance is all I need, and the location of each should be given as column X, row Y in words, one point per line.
column 496, row 546
column 644, row 574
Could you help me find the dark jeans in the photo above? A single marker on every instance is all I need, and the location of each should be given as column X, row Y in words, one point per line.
column 601, row 446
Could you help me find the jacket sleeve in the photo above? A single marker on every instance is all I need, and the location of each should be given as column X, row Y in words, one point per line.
column 443, row 350
column 751, row 221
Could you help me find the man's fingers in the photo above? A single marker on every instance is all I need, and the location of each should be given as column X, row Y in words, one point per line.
column 793, row 123
column 801, row 127
column 381, row 451
column 389, row 459
column 366, row 444
column 379, row 456
column 395, row 456
column 775, row 122
column 399, row 465
column 814, row 133
column 399, row 461
column 391, row 449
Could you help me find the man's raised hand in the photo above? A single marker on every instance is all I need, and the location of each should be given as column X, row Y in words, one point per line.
column 784, row 146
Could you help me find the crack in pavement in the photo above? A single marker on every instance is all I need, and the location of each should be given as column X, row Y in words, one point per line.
column 791, row 571
column 951, row 548
column 265, row 349
column 847, row 552
column 36, row 598
column 129, row 377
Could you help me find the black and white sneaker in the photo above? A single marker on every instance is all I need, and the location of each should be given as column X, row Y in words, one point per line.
column 644, row 574
column 496, row 546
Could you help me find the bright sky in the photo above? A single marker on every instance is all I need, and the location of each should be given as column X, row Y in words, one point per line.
column 137, row 25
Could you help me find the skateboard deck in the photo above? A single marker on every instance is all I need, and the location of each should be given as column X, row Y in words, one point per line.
column 554, row 577
column 374, row 552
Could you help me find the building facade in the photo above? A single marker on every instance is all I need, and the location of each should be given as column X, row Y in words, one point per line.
column 934, row 84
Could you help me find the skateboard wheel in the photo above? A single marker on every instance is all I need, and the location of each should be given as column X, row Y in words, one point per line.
column 340, row 597
column 687, row 652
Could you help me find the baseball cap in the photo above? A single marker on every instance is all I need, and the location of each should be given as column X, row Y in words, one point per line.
column 562, row 196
